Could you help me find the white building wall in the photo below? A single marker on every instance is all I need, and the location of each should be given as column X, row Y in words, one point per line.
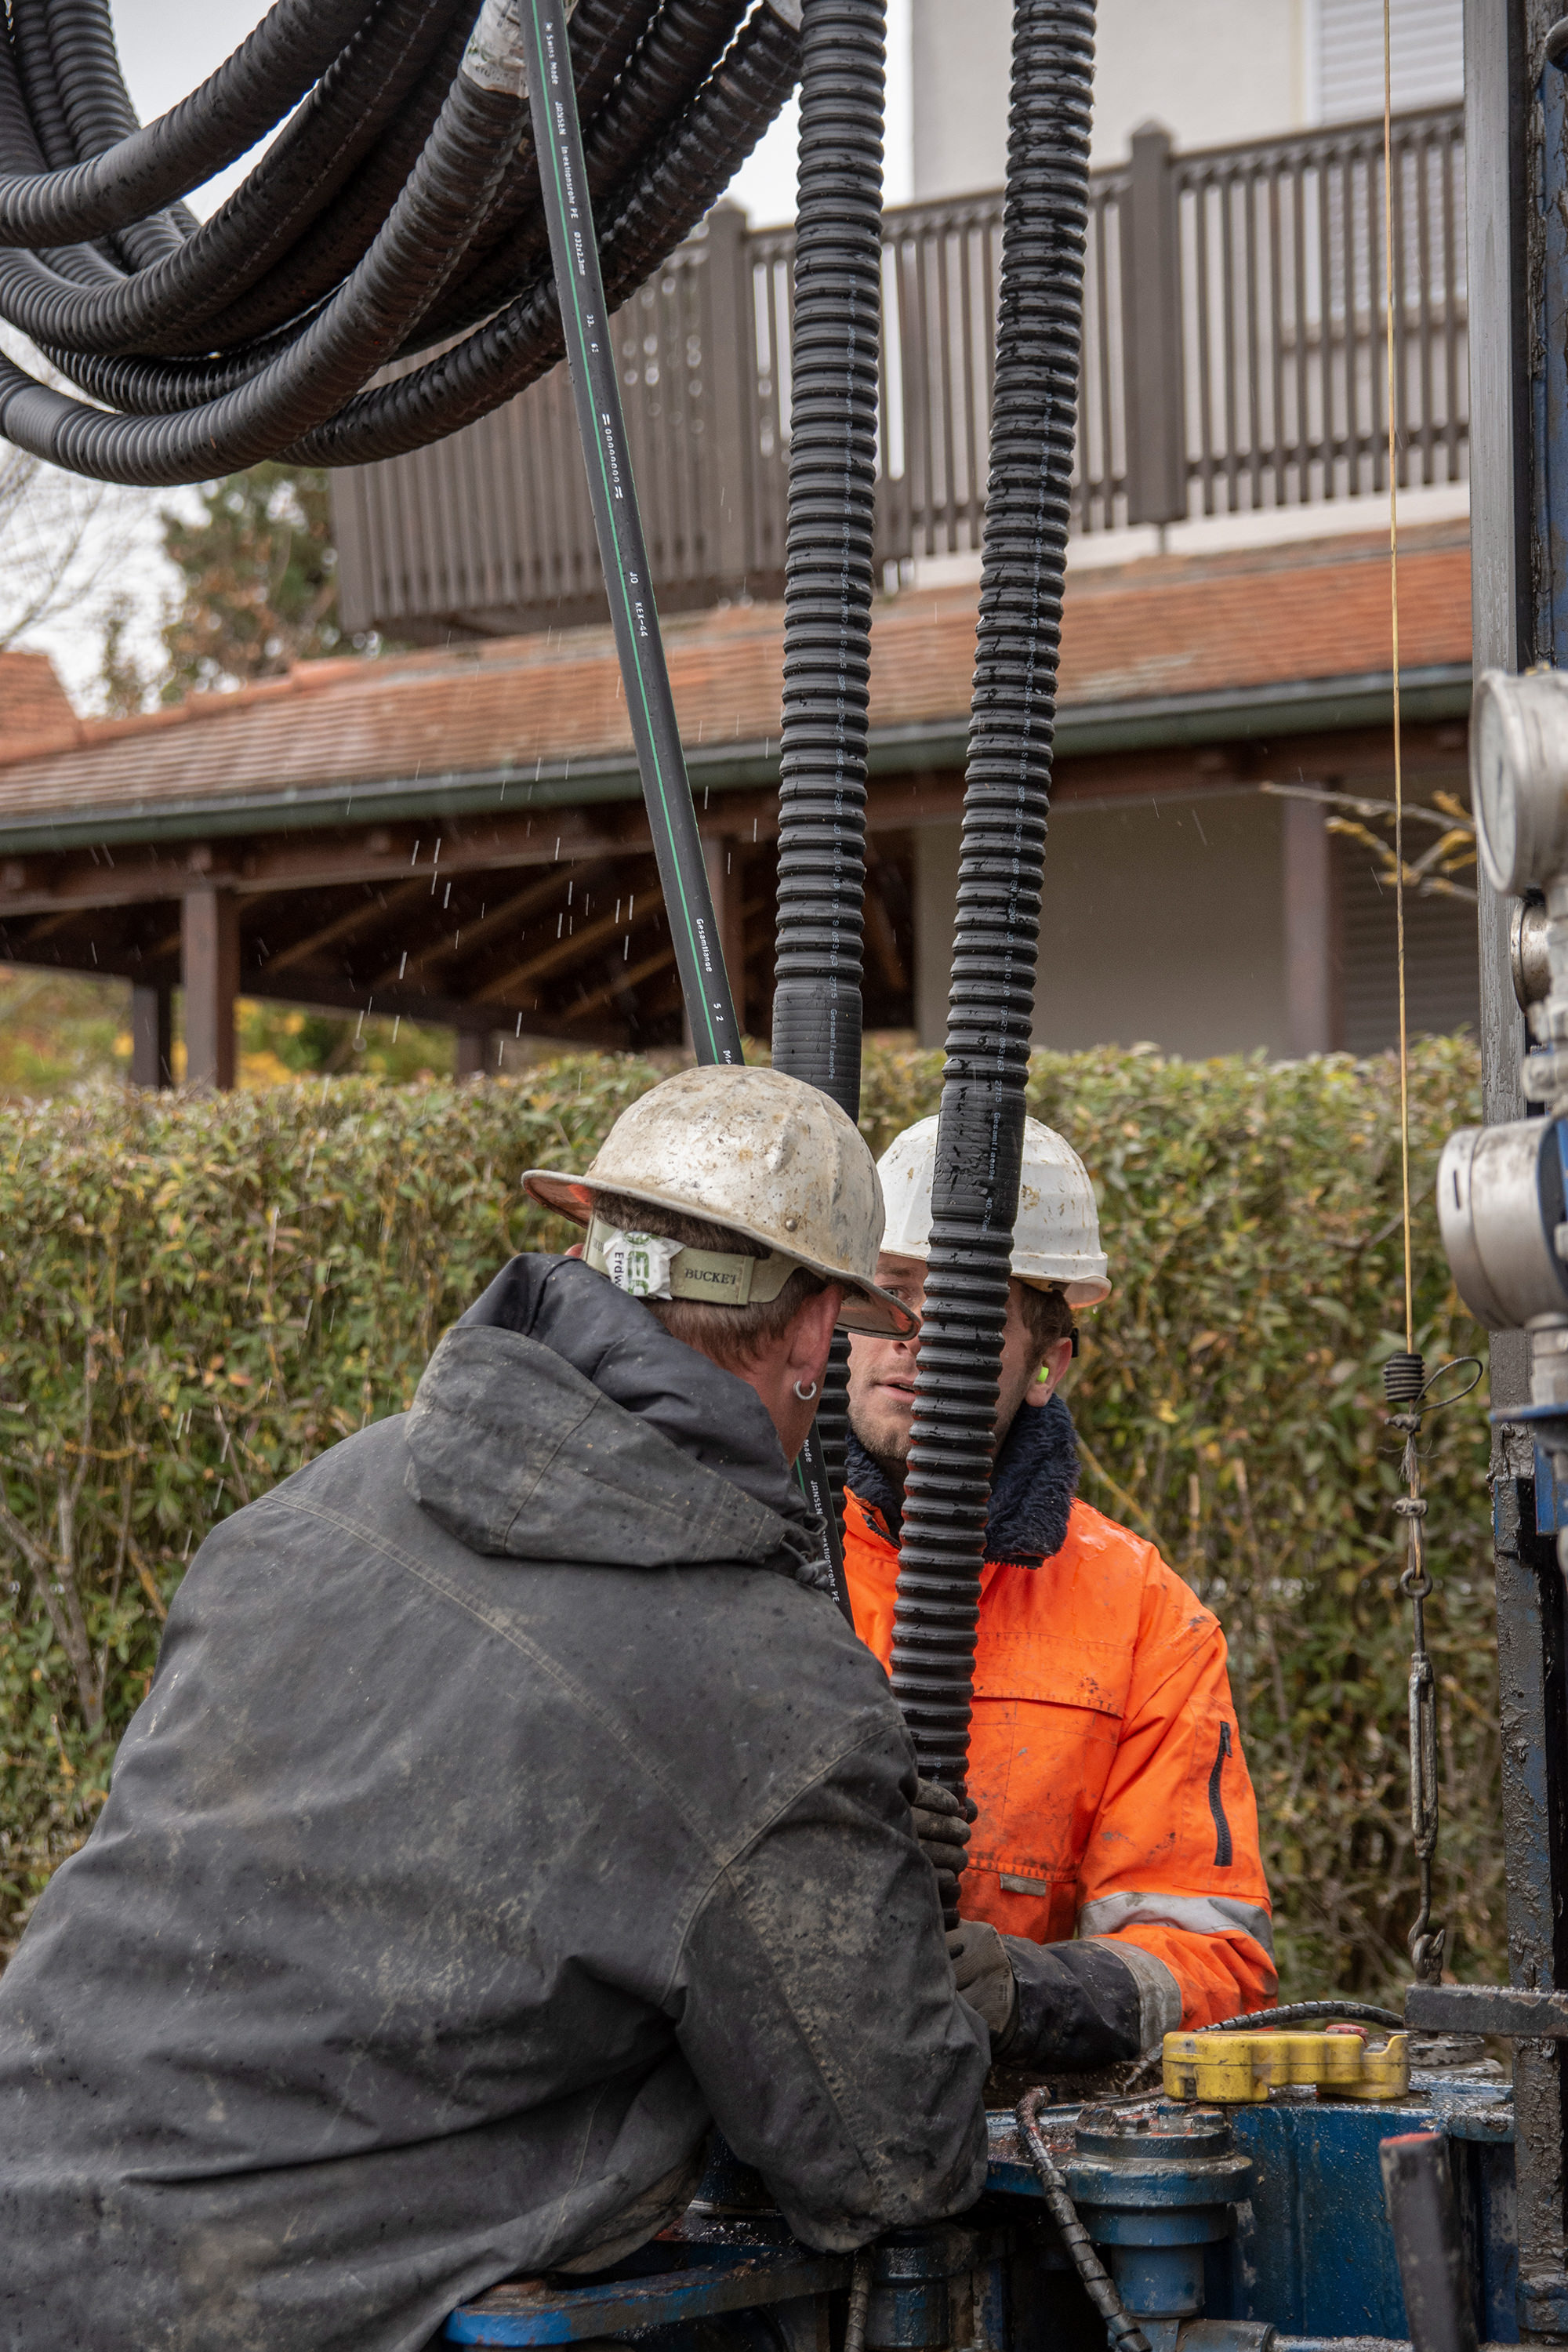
column 1163, row 924
column 1213, row 72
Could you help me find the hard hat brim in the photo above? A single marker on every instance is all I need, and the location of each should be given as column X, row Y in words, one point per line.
column 865, row 1306
column 1079, row 1290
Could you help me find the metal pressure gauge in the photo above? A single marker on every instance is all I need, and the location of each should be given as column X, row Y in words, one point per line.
column 1500, row 1215
column 1519, row 777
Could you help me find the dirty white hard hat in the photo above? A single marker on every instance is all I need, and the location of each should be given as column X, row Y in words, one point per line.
column 765, row 1155
column 1056, row 1242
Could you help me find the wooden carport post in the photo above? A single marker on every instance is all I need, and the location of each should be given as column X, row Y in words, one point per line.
column 209, row 969
column 473, row 1058
column 152, row 1033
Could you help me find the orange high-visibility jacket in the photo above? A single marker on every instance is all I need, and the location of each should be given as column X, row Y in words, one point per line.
column 1104, row 1758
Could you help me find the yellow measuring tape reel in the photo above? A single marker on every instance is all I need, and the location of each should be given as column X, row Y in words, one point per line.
column 1241, row 2069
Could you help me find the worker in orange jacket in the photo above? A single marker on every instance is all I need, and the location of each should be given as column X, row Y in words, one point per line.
column 1112, row 1887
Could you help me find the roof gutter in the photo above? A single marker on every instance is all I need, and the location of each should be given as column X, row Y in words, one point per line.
column 928, row 747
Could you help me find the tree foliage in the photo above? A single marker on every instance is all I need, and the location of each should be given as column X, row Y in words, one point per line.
column 195, row 1296
column 258, row 580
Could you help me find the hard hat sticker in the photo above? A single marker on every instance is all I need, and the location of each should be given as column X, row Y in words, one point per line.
column 638, row 1263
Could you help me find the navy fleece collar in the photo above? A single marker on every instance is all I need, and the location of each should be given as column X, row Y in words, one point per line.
column 1031, row 1495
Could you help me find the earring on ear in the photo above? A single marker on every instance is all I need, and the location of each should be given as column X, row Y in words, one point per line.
column 806, row 1390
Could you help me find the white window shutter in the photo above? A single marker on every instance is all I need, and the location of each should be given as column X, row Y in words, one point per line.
column 1427, row 48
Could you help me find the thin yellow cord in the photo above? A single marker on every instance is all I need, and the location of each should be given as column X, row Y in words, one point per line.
column 1393, row 607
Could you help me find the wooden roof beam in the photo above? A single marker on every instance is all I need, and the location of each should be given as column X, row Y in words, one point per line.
column 566, row 949
column 634, row 974
column 347, row 927
column 512, row 910
column 330, row 991
column 631, row 976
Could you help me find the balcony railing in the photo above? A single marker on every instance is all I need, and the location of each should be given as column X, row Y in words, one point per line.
column 1234, row 360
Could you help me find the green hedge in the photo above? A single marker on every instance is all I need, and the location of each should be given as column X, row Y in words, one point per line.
column 195, row 1296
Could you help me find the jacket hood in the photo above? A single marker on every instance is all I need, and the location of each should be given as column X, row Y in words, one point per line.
column 559, row 1421
column 1031, row 1493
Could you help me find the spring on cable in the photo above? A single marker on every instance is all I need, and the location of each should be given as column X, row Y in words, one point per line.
column 991, row 1010
column 835, row 365
column 397, row 207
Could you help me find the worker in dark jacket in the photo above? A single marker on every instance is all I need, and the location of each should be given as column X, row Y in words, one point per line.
column 510, row 1807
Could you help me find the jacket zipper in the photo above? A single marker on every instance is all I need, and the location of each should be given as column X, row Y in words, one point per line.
column 1221, row 1852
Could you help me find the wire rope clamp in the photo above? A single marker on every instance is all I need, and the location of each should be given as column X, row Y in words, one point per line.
column 1242, row 2069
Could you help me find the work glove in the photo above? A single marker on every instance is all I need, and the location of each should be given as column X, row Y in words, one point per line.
column 941, row 1824
column 983, row 1975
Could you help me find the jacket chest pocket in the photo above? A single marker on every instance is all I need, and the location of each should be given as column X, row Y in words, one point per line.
column 1042, row 1744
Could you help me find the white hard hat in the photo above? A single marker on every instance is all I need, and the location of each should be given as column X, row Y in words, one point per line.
column 766, row 1155
column 1056, row 1242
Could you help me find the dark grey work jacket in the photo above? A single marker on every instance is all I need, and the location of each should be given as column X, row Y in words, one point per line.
column 503, row 1813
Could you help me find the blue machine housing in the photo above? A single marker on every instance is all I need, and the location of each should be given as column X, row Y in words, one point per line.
column 1303, row 2253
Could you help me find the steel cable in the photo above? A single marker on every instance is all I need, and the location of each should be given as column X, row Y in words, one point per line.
column 990, row 1009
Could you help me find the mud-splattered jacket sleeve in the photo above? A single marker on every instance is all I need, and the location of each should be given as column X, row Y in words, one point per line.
column 817, row 2009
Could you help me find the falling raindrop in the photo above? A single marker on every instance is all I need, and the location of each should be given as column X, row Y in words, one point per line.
column 402, row 965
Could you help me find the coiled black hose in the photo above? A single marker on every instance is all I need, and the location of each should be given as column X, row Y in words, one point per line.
column 990, row 1009
column 667, row 198
column 398, row 207
column 828, row 578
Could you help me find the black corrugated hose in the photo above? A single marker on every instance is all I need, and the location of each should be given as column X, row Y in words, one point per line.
column 595, row 386
column 1122, row 2330
column 398, row 206
column 835, row 363
column 990, row 1009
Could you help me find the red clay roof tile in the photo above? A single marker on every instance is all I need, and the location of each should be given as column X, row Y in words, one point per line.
column 1157, row 629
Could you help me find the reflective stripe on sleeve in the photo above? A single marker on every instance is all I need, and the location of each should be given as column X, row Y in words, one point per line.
column 1201, row 1914
column 1159, row 1994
